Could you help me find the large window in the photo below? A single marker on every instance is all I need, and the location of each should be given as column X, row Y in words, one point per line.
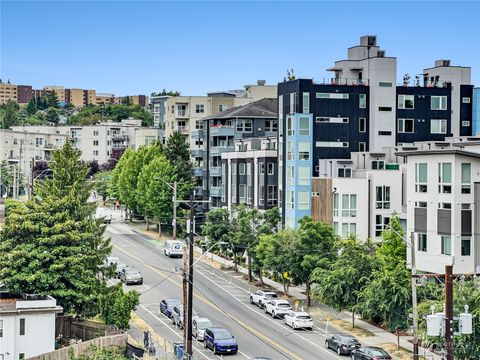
column 303, row 125
column 349, row 229
column 422, row 242
column 382, row 197
column 378, row 164
column 406, row 101
column 349, row 205
column 381, row 223
column 362, row 101
column 261, row 168
column 199, row 108
column 290, row 152
column 271, row 168
column 303, row 200
column 405, row 125
column 466, row 178
column 421, row 177
column 335, row 204
column 22, row 326
column 306, row 103
column 242, row 193
column 438, row 103
column 290, row 199
column 290, row 126
column 290, row 175
column 362, row 125
column 446, row 245
column 241, row 169
column 272, row 195
column 445, row 178
column 344, row 172
column 271, row 125
column 304, row 151
column 303, row 175
column 466, row 246
column 438, row 126
column 261, row 195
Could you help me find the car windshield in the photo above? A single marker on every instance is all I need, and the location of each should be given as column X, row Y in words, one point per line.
column 173, row 302
column 303, row 317
column 204, row 325
column 376, row 352
column 273, row 296
column 283, row 305
column 224, row 335
column 132, row 272
column 350, row 340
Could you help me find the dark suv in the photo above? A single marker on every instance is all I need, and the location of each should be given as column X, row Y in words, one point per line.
column 220, row 341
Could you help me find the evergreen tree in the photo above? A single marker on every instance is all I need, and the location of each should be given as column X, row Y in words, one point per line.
column 177, row 152
column 51, row 99
column 32, row 106
column 9, row 114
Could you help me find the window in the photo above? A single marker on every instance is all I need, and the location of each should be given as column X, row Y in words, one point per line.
column 362, row 146
column 384, row 108
column 466, row 178
column 304, row 151
column 290, row 153
column 349, row 205
column 95, row 132
column 290, row 199
column 303, row 126
column 335, row 228
column 406, row 101
column 261, row 195
column 405, row 125
column 199, row 124
column 293, row 98
column 95, row 142
column 303, row 175
column 22, row 326
column 466, row 247
column 1, row 328
column 362, row 125
column 222, row 107
column 335, row 204
column 422, row 242
column 446, row 245
column 306, row 103
column 199, row 108
column 290, row 126
column 382, row 197
column 438, row 103
column 438, row 126
column 21, row 356
column 384, row 84
column 38, row 142
column 445, row 178
column 384, row 133
column 261, row 168
column 362, row 101
column 241, row 169
column 332, row 120
column 380, row 223
column 271, row 125
column 465, row 100
column 348, row 229
column 247, row 126
column 421, row 177
column 303, row 200
column 421, row 204
column 95, row 152
column 465, row 123
column 182, row 110
column 234, row 169
column 344, row 172
column 331, row 144
column 378, row 164
column 242, row 192
column 332, row 96
column 271, row 168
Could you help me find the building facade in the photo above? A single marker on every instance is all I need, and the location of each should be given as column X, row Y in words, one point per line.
column 476, row 111
column 27, row 325
column 362, row 109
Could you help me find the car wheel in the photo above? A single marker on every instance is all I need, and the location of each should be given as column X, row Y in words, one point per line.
column 293, row 326
column 180, row 325
column 273, row 314
column 164, row 252
column 353, row 357
column 251, row 300
column 205, row 344
column 339, row 350
column 266, row 311
column 214, row 349
column 327, row 345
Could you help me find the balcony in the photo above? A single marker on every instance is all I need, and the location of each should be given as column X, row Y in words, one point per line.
column 119, row 137
column 222, row 131
column 216, row 191
column 182, row 129
column 215, row 171
column 346, row 81
column 198, row 172
column 197, row 134
column 181, row 113
column 198, row 153
column 218, row 150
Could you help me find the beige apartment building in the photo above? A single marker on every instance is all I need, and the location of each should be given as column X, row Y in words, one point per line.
column 8, row 92
column 104, row 99
column 58, row 90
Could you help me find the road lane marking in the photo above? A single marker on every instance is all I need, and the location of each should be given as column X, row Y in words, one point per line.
column 272, row 342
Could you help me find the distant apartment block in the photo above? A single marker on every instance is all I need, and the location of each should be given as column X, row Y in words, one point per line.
column 27, row 325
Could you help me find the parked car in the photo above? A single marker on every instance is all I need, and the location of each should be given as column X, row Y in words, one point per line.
column 119, row 265
column 261, row 297
column 220, row 341
column 166, row 306
column 298, row 320
column 131, row 276
column 104, row 213
column 370, row 353
column 342, row 344
column 177, row 315
column 173, row 248
column 199, row 325
column 277, row 308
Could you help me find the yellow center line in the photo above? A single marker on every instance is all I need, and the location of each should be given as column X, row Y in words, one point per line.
column 208, row 302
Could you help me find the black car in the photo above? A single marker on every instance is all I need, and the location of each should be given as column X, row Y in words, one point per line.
column 370, row 353
column 342, row 344
column 166, row 306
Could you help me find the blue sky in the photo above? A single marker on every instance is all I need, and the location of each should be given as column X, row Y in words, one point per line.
column 138, row 47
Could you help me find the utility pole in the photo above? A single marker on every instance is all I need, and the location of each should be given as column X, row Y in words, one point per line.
column 174, row 222
column 33, row 179
column 449, row 312
column 190, row 280
column 414, row 297
column 15, row 182
column 185, row 292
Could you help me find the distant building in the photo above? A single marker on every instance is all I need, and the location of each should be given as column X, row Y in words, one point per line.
column 27, row 325
column 8, row 92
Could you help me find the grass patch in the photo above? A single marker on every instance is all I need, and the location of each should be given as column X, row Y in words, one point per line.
column 402, row 354
column 347, row 326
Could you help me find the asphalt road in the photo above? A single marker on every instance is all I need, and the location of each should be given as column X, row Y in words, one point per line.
column 220, row 296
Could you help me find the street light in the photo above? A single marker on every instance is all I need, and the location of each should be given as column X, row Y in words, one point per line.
column 413, row 265
column 221, row 243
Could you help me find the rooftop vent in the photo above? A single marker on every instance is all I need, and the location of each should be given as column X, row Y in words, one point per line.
column 261, row 82
column 381, row 53
column 444, row 63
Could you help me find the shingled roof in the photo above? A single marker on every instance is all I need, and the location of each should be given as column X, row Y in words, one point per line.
column 263, row 108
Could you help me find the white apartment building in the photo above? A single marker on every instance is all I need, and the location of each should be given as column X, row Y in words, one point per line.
column 443, row 204
column 27, row 325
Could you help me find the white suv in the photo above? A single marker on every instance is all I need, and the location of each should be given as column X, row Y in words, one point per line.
column 261, row 297
column 298, row 320
column 277, row 308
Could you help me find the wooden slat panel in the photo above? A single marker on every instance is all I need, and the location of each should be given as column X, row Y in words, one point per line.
column 322, row 205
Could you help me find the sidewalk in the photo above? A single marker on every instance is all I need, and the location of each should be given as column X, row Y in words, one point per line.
column 340, row 321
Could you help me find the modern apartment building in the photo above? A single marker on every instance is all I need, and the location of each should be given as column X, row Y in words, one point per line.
column 443, row 204
column 362, row 109
column 27, row 325
column 476, row 111
column 246, row 124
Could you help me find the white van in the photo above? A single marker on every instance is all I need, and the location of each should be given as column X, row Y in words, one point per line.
column 104, row 213
column 173, row 248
